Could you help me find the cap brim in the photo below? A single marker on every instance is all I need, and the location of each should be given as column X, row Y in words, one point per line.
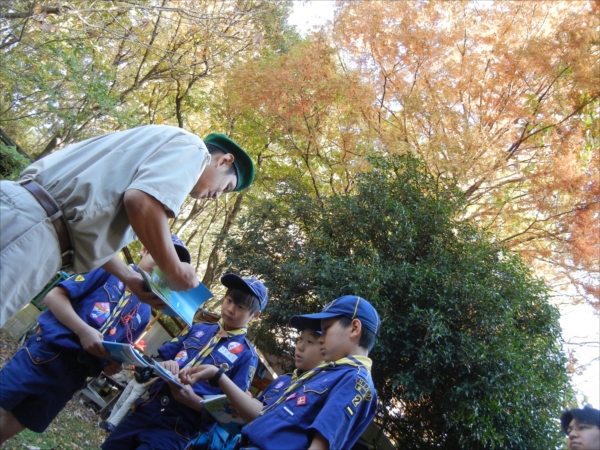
column 231, row 280
column 311, row 321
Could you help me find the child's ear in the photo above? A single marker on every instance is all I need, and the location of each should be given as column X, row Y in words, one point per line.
column 256, row 315
column 355, row 328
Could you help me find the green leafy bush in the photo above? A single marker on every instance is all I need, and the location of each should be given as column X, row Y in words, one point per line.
column 11, row 162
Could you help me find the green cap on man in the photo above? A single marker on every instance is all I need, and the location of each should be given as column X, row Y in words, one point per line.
column 242, row 162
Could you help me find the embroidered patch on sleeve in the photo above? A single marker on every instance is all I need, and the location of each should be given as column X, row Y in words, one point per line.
column 349, row 411
column 363, row 388
column 251, row 371
column 79, row 278
column 356, row 400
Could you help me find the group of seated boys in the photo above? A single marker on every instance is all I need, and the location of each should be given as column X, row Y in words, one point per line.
column 327, row 402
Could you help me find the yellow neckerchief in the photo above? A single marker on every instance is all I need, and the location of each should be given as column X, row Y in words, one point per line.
column 116, row 313
column 355, row 361
column 210, row 346
column 295, row 375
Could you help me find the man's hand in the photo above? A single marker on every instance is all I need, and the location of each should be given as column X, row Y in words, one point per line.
column 181, row 278
column 198, row 373
column 113, row 367
column 137, row 286
column 91, row 341
column 171, row 366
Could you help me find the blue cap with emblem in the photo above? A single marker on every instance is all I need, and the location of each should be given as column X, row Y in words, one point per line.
column 252, row 284
column 182, row 252
column 350, row 306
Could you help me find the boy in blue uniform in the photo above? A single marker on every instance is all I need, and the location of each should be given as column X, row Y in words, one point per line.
column 172, row 416
column 330, row 406
column 43, row 376
column 307, row 356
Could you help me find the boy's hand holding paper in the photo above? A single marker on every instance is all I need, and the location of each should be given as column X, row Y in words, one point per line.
column 171, row 366
column 199, row 373
column 125, row 353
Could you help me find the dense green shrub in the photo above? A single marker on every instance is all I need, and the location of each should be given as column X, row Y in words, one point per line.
column 11, row 162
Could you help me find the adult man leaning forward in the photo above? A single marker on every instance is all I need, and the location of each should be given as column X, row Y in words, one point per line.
column 76, row 208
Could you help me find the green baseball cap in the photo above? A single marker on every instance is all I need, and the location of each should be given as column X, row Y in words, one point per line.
column 242, row 162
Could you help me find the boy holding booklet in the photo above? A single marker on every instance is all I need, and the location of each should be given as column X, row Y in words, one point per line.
column 82, row 311
column 330, row 406
column 171, row 418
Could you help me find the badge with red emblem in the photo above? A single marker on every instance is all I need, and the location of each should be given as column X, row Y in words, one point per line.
column 301, row 401
column 235, row 347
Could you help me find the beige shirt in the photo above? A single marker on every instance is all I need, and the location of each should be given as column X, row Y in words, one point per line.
column 88, row 180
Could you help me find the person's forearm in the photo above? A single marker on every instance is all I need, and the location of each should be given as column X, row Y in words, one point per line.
column 120, row 270
column 193, row 401
column 249, row 408
column 60, row 305
column 149, row 220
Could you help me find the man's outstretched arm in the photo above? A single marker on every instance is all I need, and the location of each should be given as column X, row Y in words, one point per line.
column 149, row 221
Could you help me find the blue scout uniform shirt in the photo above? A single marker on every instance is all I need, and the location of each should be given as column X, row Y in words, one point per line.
column 338, row 402
column 94, row 296
column 275, row 389
column 235, row 351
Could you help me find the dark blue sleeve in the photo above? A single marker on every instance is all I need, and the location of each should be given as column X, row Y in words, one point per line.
column 243, row 372
column 145, row 312
column 274, row 390
column 82, row 285
column 349, row 409
column 171, row 348
column 267, row 392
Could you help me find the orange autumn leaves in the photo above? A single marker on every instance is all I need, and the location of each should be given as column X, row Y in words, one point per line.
column 501, row 98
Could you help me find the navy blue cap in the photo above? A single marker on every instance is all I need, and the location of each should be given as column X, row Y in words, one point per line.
column 350, row 306
column 300, row 327
column 182, row 252
column 231, row 280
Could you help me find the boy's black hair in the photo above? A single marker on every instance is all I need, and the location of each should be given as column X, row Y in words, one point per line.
column 244, row 298
column 367, row 337
column 214, row 150
column 587, row 415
